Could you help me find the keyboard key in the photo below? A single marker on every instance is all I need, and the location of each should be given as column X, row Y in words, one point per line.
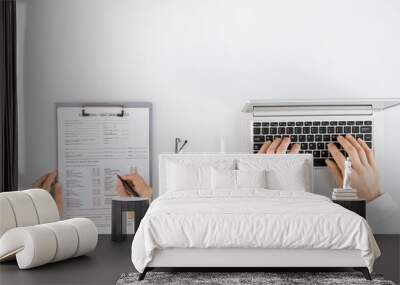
column 316, row 153
column 256, row 131
column 325, row 123
column 368, row 123
column 302, row 138
column 342, row 123
column 322, row 130
column 331, row 130
column 312, row 146
column 337, row 145
column 307, row 123
column 299, row 123
column 359, row 136
column 265, row 131
column 310, row 138
column 273, row 131
column 303, row 146
column 359, row 123
column 355, row 129
column 369, row 144
column 339, row 130
column 368, row 137
column 256, row 124
column 269, row 138
column 366, row 129
column 327, row 138
column 297, row 130
column 259, row 139
column 274, row 124
column 306, row 130
column 319, row 162
column 265, row 124
column 347, row 129
column 333, row 123
column 277, row 137
column 314, row 130
column 257, row 146
column 293, row 138
column 289, row 130
column 281, row 130
column 320, row 146
column 334, row 138
column 282, row 124
column 290, row 124
column 318, row 138
column 324, row 153
column 308, row 151
column 316, row 123
column 350, row 123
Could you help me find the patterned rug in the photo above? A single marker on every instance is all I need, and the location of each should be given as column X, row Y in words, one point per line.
column 228, row 278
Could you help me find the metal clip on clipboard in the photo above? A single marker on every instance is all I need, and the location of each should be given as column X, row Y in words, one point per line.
column 85, row 114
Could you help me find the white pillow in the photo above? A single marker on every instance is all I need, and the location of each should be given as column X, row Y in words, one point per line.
column 251, row 178
column 295, row 180
column 283, row 172
column 223, row 179
column 188, row 177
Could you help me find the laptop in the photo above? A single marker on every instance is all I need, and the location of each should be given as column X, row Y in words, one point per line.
column 315, row 123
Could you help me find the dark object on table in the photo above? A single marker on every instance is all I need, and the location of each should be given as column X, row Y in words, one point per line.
column 357, row 206
column 119, row 206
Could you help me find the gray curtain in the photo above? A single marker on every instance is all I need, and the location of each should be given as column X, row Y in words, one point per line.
column 8, row 97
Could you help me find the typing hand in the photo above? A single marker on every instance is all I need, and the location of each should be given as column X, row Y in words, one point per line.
column 48, row 182
column 365, row 177
column 279, row 146
column 137, row 182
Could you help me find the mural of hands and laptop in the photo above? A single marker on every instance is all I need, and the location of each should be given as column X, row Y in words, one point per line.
column 332, row 140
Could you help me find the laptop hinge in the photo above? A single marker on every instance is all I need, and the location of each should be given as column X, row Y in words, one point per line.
column 320, row 110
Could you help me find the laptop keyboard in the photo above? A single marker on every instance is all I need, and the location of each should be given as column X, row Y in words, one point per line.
column 312, row 136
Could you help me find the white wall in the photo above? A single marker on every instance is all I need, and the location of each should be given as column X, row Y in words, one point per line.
column 199, row 61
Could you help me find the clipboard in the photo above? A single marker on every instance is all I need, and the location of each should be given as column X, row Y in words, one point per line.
column 96, row 141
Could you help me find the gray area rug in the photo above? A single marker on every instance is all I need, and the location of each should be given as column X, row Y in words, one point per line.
column 225, row 278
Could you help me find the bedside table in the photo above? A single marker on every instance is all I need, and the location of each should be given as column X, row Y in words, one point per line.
column 118, row 220
column 356, row 206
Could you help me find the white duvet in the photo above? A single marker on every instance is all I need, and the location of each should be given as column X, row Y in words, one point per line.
column 250, row 219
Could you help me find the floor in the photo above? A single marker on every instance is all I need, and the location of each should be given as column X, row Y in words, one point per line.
column 110, row 260
column 103, row 266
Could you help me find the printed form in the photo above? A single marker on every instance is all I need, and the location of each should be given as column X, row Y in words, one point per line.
column 92, row 150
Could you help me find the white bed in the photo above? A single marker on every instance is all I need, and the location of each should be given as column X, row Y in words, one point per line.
column 198, row 222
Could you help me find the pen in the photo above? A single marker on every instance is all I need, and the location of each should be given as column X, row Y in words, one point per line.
column 128, row 187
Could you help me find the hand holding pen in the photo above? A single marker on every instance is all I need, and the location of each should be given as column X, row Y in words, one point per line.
column 135, row 182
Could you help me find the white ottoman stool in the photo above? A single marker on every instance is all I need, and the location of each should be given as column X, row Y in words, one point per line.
column 31, row 232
